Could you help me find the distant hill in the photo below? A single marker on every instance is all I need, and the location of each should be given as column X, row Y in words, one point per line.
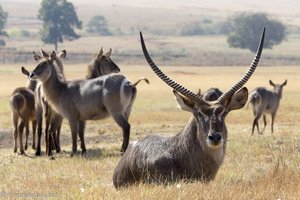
column 156, row 12
column 160, row 22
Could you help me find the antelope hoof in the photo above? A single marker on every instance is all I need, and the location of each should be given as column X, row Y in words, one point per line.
column 38, row 152
column 33, row 146
column 26, row 147
column 22, row 152
column 73, row 154
column 58, row 150
column 83, row 154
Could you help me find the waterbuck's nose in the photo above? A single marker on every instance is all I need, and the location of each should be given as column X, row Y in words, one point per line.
column 32, row 75
column 215, row 138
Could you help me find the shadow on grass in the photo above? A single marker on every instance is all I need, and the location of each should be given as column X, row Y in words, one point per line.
column 91, row 154
column 102, row 153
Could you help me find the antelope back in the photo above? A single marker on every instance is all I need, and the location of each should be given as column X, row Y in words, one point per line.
column 212, row 94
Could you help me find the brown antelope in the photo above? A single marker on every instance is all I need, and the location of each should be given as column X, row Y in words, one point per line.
column 22, row 105
column 81, row 100
column 53, row 120
column 264, row 102
column 197, row 152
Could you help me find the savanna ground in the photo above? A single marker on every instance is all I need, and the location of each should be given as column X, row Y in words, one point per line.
column 255, row 167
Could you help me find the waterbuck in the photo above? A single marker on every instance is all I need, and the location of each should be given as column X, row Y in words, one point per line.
column 195, row 153
column 92, row 99
column 264, row 102
column 22, row 105
column 53, row 120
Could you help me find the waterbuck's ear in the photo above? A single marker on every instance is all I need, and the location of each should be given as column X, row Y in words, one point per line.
column 238, row 99
column 24, row 71
column 284, row 83
column 62, row 54
column 100, row 54
column 44, row 54
column 35, row 56
column 271, row 83
column 184, row 103
column 52, row 56
column 108, row 53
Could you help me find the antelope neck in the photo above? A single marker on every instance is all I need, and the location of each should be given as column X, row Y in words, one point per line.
column 52, row 87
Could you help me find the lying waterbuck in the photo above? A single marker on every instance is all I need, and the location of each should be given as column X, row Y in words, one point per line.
column 81, row 100
column 195, row 153
column 264, row 102
column 22, row 105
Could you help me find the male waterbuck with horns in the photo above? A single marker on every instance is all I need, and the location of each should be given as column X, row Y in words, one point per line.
column 265, row 101
column 91, row 99
column 198, row 150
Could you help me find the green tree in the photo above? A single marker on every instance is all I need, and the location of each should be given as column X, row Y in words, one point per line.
column 59, row 20
column 98, row 25
column 244, row 31
column 3, row 18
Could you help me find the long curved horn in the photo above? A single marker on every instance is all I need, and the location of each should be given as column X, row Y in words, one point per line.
column 179, row 88
column 224, row 97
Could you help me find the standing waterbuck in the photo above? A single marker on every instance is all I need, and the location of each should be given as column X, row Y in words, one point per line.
column 92, row 99
column 264, row 102
column 197, row 152
column 101, row 64
column 22, row 106
column 53, row 120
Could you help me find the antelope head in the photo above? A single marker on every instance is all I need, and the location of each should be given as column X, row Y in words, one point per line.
column 277, row 88
column 209, row 115
column 103, row 64
column 44, row 68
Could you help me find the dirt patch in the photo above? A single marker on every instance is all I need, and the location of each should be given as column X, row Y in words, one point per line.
column 6, row 138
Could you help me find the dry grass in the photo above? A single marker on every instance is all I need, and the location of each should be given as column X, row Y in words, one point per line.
column 256, row 167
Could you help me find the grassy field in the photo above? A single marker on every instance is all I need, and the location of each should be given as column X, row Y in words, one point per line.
column 256, row 167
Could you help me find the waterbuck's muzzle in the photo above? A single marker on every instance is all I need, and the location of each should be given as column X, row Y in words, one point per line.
column 32, row 75
column 214, row 139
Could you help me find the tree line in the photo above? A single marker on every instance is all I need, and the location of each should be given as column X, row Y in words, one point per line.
column 60, row 22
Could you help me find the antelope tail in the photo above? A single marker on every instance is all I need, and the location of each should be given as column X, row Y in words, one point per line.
column 254, row 97
column 141, row 79
column 17, row 102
